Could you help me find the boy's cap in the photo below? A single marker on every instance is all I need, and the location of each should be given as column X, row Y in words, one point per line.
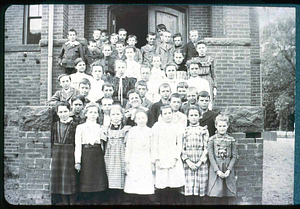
column 62, row 75
column 78, row 60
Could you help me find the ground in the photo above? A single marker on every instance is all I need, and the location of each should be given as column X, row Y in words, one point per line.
column 278, row 173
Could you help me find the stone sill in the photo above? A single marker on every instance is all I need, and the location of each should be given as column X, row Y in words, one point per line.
column 22, row 48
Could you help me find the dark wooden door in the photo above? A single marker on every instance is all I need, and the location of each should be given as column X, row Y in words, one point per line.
column 174, row 20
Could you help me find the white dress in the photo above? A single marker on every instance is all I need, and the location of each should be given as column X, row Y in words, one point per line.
column 96, row 92
column 167, row 147
column 138, row 153
column 133, row 69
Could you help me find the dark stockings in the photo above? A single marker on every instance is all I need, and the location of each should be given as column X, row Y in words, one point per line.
column 115, row 196
column 168, row 196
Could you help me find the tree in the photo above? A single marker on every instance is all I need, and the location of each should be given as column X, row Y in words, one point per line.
column 278, row 68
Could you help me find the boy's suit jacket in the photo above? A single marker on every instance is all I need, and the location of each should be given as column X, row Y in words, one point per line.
column 190, row 51
column 166, row 53
column 147, row 103
column 61, row 95
column 148, row 53
column 208, row 118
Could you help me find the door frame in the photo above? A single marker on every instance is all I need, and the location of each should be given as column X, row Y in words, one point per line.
column 111, row 26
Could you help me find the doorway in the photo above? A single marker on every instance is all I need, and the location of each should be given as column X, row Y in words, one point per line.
column 133, row 18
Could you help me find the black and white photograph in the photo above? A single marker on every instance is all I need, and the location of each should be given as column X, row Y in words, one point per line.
column 145, row 104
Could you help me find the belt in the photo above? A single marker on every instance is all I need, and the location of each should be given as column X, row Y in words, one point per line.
column 90, row 146
column 203, row 74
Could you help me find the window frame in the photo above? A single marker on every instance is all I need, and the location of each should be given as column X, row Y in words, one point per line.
column 27, row 19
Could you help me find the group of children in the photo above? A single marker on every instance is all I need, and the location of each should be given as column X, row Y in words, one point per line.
column 141, row 123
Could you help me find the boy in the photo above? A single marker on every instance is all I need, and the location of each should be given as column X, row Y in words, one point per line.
column 164, row 91
column 165, row 49
column 66, row 93
column 192, row 96
column 96, row 36
column 208, row 116
column 133, row 67
column 96, row 92
column 113, row 40
column 108, row 90
column 70, row 51
column 181, row 89
column 122, row 33
column 190, row 47
column 132, row 41
column 84, row 89
column 160, row 28
column 149, row 49
column 104, row 118
column 104, row 37
column 93, row 53
column 119, row 54
column 177, row 39
column 142, row 88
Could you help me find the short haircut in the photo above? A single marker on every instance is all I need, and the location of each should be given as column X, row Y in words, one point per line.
column 72, row 30
column 119, row 61
column 132, row 36
column 171, row 64
column 150, row 34
column 200, row 42
column 203, row 94
column 92, row 42
column 105, row 32
column 179, row 51
column 130, row 47
column 91, row 104
column 191, row 62
column 62, row 103
column 164, row 85
column 156, row 55
column 145, row 65
column 85, row 81
column 121, row 42
column 161, row 27
column 131, row 91
column 166, row 31
column 106, row 84
column 63, row 75
column 192, row 89
column 177, row 35
column 222, row 117
column 193, row 31
column 167, row 106
column 97, row 29
column 175, row 95
column 78, row 97
column 78, row 60
column 104, row 45
column 113, row 34
column 193, row 107
column 122, row 29
column 141, row 83
column 182, row 84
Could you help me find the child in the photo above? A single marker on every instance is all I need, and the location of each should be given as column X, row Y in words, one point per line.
column 70, row 51
column 107, row 62
column 115, row 154
column 96, row 92
column 89, row 142
column 80, row 67
column 177, row 39
column 108, row 90
column 170, row 71
column 181, row 89
column 104, row 37
column 96, row 36
column 157, row 73
column 84, row 89
column 164, row 91
column 93, row 53
column 148, row 51
column 165, row 49
column 66, row 93
column 132, row 41
column 63, row 174
column 142, row 89
column 206, row 70
column 122, row 83
column 179, row 60
column 139, row 163
column 194, row 80
column 122, row 33
column 189, row 48
column 104, row 118
column 208, row 116
column 222, row 154
column 169, row 176
column 113, row 40
column 133, row 67
column 160, row 29
column 194, row 157
column 119, row 52
column 192, row 96
column 78, row 103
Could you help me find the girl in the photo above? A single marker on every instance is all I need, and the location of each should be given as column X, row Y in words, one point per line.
column 194, row 156
column 78, row 103
column 115, row 154
column 181, row 67
column 139, row 163
column 80, row 74
column 222, row 154
column 167, row 149
column 96, row 92
column 89, row 141
column 157, row 73
column 63, row 174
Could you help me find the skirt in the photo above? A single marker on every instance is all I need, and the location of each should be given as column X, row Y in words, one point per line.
column 63, row 173
column 93, row 176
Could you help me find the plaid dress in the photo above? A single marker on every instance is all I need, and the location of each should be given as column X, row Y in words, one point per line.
column 195, row 141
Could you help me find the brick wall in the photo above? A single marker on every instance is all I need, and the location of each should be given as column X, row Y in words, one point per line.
column 14, row 24
column 76, row 18
column 217, row 27
column 200, row 20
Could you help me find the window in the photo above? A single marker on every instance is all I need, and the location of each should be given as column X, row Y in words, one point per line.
column 32, row 24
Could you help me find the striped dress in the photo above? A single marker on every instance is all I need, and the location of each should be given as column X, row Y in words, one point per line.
column 195, row 141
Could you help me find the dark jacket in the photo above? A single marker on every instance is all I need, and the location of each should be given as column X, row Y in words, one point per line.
column 208, row 119
column 190, row 51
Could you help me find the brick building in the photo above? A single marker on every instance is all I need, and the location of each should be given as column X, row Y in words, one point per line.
column 232, row 36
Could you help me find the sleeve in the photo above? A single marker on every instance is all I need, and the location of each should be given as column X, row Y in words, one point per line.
column 53, row 136
column 233, row 154
column 155, row 154
column 207, row 87
column 171, row 54
column 78, row 144
column 184, row 155
column 212, row 72
column 140, row 56
column 55, row 97
column 128, row 148
column 152, row 147
column 157, row 50
column 81, row 52
column 184, row 48
column 212, row 160
column 178, row 146
column 205, row 138
column 99, row 53
column 143, row 54
column 62, row 52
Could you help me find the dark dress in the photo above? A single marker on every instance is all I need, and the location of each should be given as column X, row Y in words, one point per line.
column 63, row 173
